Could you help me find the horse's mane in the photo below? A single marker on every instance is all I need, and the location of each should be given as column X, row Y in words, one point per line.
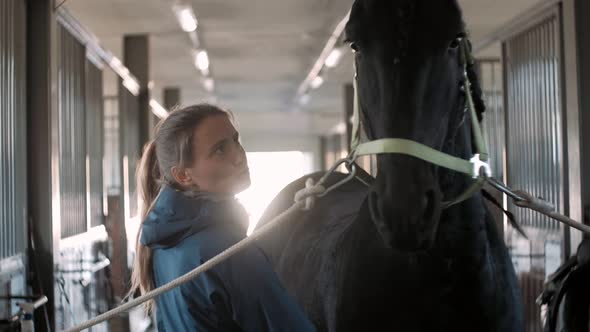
column 476, row 91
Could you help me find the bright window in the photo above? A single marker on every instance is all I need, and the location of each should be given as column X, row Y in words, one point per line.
column 270, row 172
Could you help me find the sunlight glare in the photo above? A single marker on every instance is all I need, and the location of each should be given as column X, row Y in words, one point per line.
column 270, row 172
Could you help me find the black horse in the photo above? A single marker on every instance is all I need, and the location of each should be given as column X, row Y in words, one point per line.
column 388, row 256
column 567, row 291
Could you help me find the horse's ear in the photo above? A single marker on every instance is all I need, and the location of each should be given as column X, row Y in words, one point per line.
column 353, row 27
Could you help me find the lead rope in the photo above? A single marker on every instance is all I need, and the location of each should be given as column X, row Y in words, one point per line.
column 304, row 199
column 528, row 201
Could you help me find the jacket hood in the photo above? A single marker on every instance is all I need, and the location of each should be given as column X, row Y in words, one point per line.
column 177, row 215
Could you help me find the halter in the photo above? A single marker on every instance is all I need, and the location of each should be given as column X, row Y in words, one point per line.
column 477, row 167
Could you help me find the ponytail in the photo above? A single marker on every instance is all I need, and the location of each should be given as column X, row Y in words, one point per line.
column 148, row 180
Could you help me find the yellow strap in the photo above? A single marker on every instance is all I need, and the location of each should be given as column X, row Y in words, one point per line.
column 415, row 149
column 470, row 191
column 478, row 137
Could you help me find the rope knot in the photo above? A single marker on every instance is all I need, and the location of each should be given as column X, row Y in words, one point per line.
column 534, row 203
column 309, row 193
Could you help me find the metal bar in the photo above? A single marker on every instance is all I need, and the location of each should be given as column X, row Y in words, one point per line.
column 43, row 143
column 11, row 133
column 547, row 190
column 536, row 108
column 93, row 268
column 3, row 124
column 499, row 185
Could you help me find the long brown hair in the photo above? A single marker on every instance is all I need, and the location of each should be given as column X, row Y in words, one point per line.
column 172, row 146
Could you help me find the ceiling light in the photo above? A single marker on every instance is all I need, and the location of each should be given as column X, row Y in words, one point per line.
column 334, row 58
column 129, row 81
column 202, row 60
column 316, row 82
column 158, row 109
column 209, row 84
column 321, row 61
column 118, row 67
column 304, row 99
column 132, row 85
column 186, row 18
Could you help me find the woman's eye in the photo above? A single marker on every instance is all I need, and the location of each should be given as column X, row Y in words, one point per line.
column 220, row 149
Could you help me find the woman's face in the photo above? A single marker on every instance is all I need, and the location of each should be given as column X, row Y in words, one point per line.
column 220, row 164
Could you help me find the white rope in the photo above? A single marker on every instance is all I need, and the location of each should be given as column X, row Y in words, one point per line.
column 299, row 204
column 309, row 193
column 547, row 209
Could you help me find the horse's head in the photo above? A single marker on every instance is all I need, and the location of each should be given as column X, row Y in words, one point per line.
column 410, row 78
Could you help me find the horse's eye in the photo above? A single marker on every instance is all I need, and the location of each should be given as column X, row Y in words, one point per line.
column 354, row 47
column 455, row 43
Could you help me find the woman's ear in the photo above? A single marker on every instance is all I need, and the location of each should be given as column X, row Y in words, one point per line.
column 182, row 176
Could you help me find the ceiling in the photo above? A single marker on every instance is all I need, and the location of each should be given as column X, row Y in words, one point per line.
column 260, row 51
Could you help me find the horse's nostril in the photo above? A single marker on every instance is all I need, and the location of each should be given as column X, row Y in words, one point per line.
column 428, row 204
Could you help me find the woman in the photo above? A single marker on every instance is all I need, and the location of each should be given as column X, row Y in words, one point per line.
column 187, row 179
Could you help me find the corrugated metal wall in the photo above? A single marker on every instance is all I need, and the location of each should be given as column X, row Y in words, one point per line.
column 535, row 149
column 95, row 142
column 72, row 133
column 80, row 292
column 535, row 154
column 490, row 78
column 490, row 74
column 12, row 128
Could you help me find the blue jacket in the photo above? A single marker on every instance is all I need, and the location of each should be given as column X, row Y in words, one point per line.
column 240, row 294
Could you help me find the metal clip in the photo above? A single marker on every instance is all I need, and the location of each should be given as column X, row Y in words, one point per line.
column 350, row 165
column 505, row 189
column 479, row 165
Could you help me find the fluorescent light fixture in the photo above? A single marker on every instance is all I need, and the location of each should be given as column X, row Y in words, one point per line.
column 202, row 60
column 186, row 18
column 304, row 99
column 321, row 61
column 118, row 67
column 131, row 84
column 209, row 84
column 129, row 81
column 333, row 58
column 158, row 110
column 316, row 82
